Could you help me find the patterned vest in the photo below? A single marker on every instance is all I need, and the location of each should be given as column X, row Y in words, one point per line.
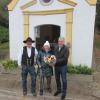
column 28, row 61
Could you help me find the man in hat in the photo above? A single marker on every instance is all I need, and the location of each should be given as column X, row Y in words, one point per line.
column 26, row 63
column 62, row 54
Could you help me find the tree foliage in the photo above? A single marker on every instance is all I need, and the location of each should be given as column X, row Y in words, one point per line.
column 4, row 35
column 4, row 12
column 98, row 15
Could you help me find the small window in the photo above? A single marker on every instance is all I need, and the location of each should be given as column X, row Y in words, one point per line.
column 46, row 2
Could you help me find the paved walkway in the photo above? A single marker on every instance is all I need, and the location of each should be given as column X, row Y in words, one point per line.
column 10, row 95
column 96, row 83
column 79, row 88
column 96, row 75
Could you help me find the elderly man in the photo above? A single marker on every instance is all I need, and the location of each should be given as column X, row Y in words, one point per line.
column 26, row 63
column 62, row 54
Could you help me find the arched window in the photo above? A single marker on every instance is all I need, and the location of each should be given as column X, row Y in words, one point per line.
column 46, row 2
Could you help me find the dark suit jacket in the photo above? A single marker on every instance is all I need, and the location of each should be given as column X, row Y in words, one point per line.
column 61, row 56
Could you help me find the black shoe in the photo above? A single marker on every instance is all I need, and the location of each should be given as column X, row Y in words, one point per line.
column 49, row 90
column 41, row 92
column 57, row 93
column 34, row 94
column 63, row 97
column 24, row 93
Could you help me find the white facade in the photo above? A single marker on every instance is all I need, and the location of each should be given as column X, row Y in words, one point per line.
column 82, row 27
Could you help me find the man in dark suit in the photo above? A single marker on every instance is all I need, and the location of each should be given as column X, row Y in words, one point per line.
column 62, row 53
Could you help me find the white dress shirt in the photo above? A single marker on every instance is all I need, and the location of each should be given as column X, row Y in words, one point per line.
column 59, row 48
column 28, row 52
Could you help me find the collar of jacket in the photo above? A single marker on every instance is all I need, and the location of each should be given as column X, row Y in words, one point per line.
column 61, row 47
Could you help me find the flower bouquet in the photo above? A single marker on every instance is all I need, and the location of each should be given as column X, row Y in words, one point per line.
column 50, row 60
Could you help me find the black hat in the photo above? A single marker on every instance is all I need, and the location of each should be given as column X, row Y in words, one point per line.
column 28, row 40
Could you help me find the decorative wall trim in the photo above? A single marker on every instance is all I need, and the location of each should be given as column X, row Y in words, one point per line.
column 12, row 4
column 33, row 2
column 69, row 21
column 91, row 2
column 69, row 2
column 48, row 12
column 26, row 26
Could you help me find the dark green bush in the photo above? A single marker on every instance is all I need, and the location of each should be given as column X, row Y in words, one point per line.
column 9, row 64
column 79, row 69
column 4, row 46
column 71, row 69
column 4, row 35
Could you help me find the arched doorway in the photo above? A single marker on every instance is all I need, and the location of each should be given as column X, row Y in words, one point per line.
column 44, row 33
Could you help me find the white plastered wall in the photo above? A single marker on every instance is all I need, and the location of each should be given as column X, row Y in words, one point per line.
column 82, row 28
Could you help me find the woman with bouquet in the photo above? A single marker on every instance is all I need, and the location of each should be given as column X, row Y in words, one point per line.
column 45, row 68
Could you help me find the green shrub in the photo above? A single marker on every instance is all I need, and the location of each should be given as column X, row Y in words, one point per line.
column 9, row 64
column 71, row 69
column 97, row 43
column 79, row 69
column 4, row 35
column 4, row 46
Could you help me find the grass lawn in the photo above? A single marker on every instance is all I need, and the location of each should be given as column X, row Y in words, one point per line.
column 97, row 44
column 97, row 41
column 4, row 46
column 4, row 51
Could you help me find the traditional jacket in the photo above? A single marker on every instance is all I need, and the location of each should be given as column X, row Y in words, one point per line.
column 26, row 60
